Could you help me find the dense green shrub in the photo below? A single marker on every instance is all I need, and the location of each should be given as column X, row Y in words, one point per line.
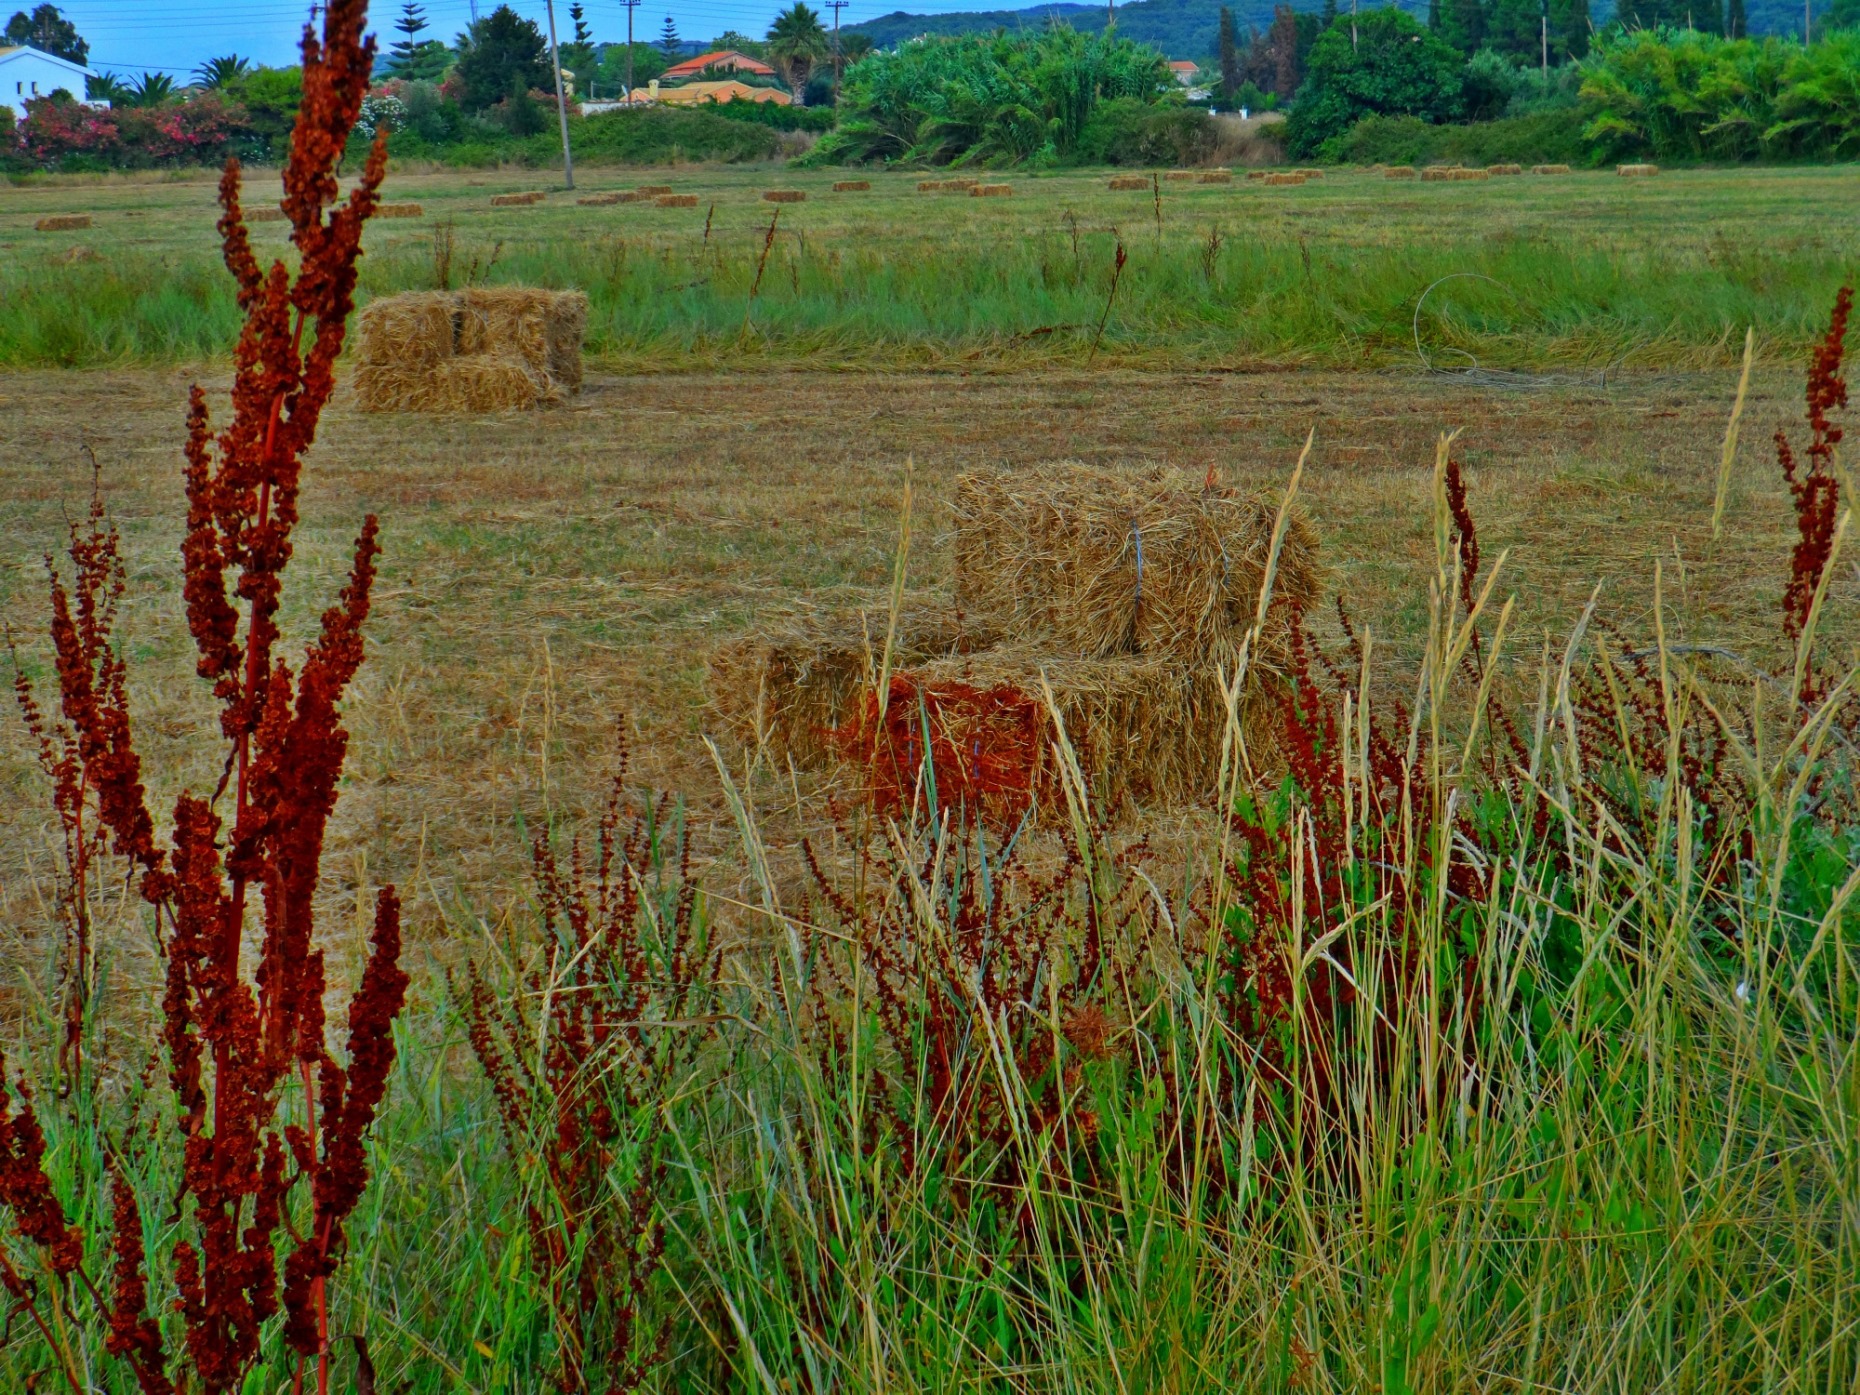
column 650, row 136
column 1125, row 131
column 1549, row 137
column 1006, row 99
column 1395, row 68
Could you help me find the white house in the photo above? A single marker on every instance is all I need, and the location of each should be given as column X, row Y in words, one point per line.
column 26, row 73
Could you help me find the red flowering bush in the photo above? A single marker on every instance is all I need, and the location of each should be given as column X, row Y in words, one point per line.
column 53, row 130
column 200, row 130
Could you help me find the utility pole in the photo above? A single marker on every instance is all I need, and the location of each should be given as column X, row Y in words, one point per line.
column 631, row 5
column 1110, row 15
column 836, row 6
column 1352, row 26
column 561, row 100
column 1545, row 14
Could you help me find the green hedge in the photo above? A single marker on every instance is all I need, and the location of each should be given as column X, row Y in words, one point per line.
column 1547, row 137
column 653, row 136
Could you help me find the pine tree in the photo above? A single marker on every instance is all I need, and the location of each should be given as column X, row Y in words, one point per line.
column 1328, row 15
column 669, row 42
column 1433, row 15
column 1569, row 29
column 1735, row 25
column 411, row 22
column 1230, row 58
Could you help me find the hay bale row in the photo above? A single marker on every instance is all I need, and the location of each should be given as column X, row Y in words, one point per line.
column 796, row 682
column 946, row 186
column 1095, row 562
column 1637, row 171
column 1180, row 176
column 399, row 210
column 480, row 349
column 1504, row 169
column 1123, row 182
column 852, row 186
column 652, row 191
column 517, row 200
column 1549, row 169
column 1276, row 178
column 991, row 191
column 1214, row 177
column 62, row 222
column 1450, row 174
column 1400, row 172
column 784, row 196
column 675, row 201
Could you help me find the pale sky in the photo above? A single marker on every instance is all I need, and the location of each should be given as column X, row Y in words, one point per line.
column 134, row 35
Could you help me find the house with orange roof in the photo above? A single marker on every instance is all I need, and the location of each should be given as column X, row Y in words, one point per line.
column 724, row 60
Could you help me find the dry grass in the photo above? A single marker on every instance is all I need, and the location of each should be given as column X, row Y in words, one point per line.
column 851, row 186
column 517, row 200
column 991, row 191
column 603, row 200
column 652, row 190
column 540, row 584
column 676, row 200
column 1399, row 172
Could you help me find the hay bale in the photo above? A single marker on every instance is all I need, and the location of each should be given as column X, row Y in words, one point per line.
column 1549, row 169
column 929, row 186
column 1279, row 177
column 652, row 191
column 265, row 213
column 676, row 200
column 544, row 328
column 991, row 191
column 62, row 222
column 1436, row 174
column 1461, row 175
column 784, row 196
column 399, row 210
column 1122, row 182
column 1181, row 176
column 1637, row 171
column 1312, row 174
column 1504, row 169
column 1257, row 174
column 1399, row 172
column 517, row 200
column 473, row 383
column 415, row 330
column 603, row 200
column 795, row 682
column 1095, row 562
column 852, row 186
column 1214, row 177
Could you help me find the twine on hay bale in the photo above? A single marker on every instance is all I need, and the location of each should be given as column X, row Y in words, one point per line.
column 1121, row 182
column 1549, row 169
column 486, row 348
column 991, row 191
column 1278, row 177
column 62, row 222
column 852, row 186
column 1400, row 172
column 399, row 210
column 1504, row 169
column 783, row 196
column 1214, row 177
column 517, row 200
column 1637, row 171
column 652, row 191
column 676, row 201
column 1095, row 562
column 794, row 683
column 603, row 200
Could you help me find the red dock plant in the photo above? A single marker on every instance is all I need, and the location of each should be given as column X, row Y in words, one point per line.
column 1814, row 487
column 267, row 1182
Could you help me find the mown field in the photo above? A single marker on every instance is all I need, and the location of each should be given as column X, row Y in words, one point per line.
column 1586, row 271
column 938, row 1113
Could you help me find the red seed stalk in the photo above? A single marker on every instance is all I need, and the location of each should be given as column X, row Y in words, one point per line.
column 1815, row 488
column 234, row 1044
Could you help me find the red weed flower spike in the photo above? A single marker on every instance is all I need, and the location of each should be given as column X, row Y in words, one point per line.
column 25, row 1190
column 1815, row 489
column 134, row 1335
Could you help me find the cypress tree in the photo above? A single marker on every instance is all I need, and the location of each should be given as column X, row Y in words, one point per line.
column 1230, row 58
column 1735, row 25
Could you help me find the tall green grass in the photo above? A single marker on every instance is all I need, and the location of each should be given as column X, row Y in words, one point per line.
column 1593, row 1126
column 678, row 301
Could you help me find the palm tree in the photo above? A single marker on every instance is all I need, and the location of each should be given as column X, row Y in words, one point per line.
column 150, row 90
column 222, row 72
column 797, row 41
column 107, row 87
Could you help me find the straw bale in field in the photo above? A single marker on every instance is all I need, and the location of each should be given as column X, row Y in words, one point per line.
column 602, row 200
column 784, row 195
column 481, row 349
column 1257, row 174
column 991, row 191
column 1120, row 182
column 1180, row 176
column 1278, row 177
column 62, row 222
column 1095, row 562
column 1215, row 177
column 1312, row 174
column 399, row 210
column 1399, row 172
column 851, row 186
column 517, row 200
column 1637, row 171
column 264, row 213
column 792, row 684
column 1436, row 174
column 1464, row 174
column 676, row 200
column 1549, row 169
column 1504, row 169
column 652, row 191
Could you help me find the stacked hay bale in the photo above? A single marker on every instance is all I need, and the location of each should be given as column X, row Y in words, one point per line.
column 1215, row 177
column 991, row 191
column 1122, row 592
column 1399, row 172
column 1549, row 169
column 517, row 200
column 476, row 350
column 784, row 196
column 62, row 222
column 1123, row 182
column 1504, row 169
column 399, row 210
column 1280, row 177
column 851, row 186
column 675, row 201
column 1637, row 171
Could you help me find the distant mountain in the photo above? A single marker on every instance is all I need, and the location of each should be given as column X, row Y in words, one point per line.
column 1187, row 28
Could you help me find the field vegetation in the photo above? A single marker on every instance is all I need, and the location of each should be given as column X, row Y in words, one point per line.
column 1495, row 1026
